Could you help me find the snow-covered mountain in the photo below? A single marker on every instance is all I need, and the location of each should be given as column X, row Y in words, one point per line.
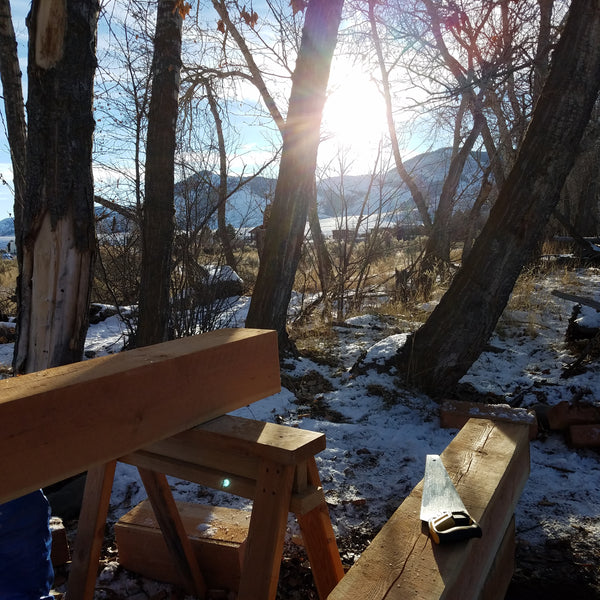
column 338, row 196
column 350, row 196
column 7, row 227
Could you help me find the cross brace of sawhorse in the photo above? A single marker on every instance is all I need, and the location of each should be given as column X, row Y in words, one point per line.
column 270, row 464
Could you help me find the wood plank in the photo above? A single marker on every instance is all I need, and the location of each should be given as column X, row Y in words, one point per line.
column 107, row 407
column 217, row 535
column 455, row 414
column 237, row 445
column 174, row 534
column 489, row 465
column 90, row 532
column 214, row 478
column 585, row 436
column 565, row 414
column 278, row 443
column 264, row 549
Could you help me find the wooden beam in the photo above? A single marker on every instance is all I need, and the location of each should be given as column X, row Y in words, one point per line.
column 489, row 465
column 499, row 577
column 62, row 421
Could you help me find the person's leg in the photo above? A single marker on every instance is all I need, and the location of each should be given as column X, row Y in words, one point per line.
column 25, row 541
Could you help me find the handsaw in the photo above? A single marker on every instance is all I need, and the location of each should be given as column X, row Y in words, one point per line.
column 442, row 507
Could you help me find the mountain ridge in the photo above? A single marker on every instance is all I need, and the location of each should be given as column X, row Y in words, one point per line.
column 196, row 196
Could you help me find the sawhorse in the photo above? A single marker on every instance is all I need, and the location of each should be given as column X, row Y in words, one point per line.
column 272, row 465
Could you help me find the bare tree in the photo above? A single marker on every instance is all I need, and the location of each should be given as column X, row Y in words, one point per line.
column 159, row 211
column 443, row 349
column 57, row 236
column 14, row 108
column 257, row 77
column 296, row 181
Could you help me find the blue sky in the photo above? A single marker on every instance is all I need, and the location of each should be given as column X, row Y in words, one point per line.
column 353, row 95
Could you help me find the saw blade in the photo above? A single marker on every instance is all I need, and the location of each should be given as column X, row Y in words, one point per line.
column 439, row 494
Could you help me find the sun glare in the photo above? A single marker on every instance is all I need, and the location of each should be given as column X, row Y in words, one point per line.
column 354, row 114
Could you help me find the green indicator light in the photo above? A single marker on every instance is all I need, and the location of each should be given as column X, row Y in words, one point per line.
column 226, row 483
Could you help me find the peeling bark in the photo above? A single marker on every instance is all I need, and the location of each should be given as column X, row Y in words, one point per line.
column 57, row 239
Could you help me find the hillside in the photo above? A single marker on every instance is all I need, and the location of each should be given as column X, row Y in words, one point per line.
column 195, row 198
column 7, row 227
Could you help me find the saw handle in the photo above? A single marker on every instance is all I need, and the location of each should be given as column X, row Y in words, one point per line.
column 453, row 527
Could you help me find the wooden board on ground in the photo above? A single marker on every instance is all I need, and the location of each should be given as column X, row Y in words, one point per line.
column 455, row 413
column 489, row 465
column 106, row 407
column 218, row 536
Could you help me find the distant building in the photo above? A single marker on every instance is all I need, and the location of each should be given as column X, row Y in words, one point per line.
column 342, row 235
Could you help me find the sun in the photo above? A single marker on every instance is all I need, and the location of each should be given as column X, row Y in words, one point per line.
column 354, row 117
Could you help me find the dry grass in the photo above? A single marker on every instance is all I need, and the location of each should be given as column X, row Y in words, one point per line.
column 8, row 286
column 247, row 266
column 8, row 273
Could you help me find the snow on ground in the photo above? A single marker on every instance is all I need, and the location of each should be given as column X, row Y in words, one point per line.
column 377, row 445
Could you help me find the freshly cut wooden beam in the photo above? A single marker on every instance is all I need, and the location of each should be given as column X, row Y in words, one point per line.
column 59, row 422
column 489, row 465
column 455, row 413
column 217, row 535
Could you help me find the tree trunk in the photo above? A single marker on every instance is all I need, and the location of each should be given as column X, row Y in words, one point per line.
column 443, row 350
column 415, row 192
column 324, row 266
column 437, row 249
column 544, row 45
column 295, row 184
column 57, row 237
column 222, row 191
column 159, row 211
column 14, row 109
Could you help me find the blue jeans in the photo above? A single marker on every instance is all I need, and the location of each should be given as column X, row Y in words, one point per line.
column 25, row 567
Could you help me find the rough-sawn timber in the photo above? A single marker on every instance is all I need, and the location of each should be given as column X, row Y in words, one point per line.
column 489, row 464
column 61, row 421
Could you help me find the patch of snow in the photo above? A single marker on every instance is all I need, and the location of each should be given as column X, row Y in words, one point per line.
column 588, row 317
column 376, row 454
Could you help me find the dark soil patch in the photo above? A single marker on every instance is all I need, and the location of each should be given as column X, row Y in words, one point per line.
column 309, row 390
column 563, row 568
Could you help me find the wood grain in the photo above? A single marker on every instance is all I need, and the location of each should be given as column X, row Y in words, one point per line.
column 62, row 421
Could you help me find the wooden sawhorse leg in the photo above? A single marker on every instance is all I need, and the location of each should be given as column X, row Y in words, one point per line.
column 319, row 540
column 167, row 515
column 90, row 532
column 92, row 521
column 264, row 547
